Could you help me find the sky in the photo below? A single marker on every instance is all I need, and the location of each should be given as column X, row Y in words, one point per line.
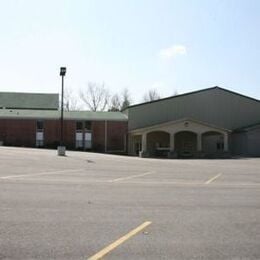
column 170, row 45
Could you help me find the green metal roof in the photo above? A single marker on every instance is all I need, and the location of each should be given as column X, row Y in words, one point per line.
column 55, row 114
column 17, row 100
column 191, row 93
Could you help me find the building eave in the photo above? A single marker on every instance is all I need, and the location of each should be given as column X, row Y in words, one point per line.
column 149, row 128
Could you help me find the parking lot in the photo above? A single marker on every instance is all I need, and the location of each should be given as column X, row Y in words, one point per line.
column 91, row 206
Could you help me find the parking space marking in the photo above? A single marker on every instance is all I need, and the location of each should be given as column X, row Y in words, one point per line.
column 37, row 174
column 131, row 177
column 213, row 178
column 120, row 241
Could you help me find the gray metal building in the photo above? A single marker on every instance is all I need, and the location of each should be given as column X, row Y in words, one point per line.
column 213, row 122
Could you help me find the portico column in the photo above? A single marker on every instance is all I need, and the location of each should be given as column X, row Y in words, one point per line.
column 199, row 142
column 225, row 142
column 144, row 144
column 172, row 144
column 143, row 153
column 131, row 144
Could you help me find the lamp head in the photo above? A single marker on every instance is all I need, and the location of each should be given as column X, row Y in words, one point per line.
column 62, row 71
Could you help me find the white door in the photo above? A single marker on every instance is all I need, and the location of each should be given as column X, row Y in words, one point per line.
column 88, row 140
column 39, row 138
column 79, row 139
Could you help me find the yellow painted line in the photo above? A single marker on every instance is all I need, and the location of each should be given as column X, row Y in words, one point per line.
column 120, row 241
column 130, row 177
column 37, row 174
column 213, row 179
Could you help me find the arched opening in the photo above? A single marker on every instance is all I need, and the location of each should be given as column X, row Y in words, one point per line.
column 185, row 144
column 158, row 143
column 212, row 143
column 136, row 144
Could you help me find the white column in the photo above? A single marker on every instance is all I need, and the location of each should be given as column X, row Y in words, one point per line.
column 144, row 144
column 199, row 142
column 225, row 142
column 172, row 144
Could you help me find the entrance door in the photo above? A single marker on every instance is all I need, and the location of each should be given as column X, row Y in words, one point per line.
column 88, row 140
column 137, row 148
column 185, row 143
column 79, row 139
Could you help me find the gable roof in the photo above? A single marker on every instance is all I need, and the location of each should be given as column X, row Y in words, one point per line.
column 216, row 106
column 191, row 93
column 21, row 100
column 180, row 121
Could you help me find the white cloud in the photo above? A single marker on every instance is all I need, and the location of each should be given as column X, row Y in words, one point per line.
column 171, row 52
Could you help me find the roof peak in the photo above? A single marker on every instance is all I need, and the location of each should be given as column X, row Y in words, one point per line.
column 193, row 92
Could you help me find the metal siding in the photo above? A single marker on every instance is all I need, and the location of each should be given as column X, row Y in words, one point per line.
column 214, row 106
column 253, row 138
column 239, row 144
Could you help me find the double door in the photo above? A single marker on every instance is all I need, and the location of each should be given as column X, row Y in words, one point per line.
column 83, row 139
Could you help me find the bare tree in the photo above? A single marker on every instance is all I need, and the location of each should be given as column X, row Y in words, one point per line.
column 120, row 102
column 70, row 100
column 115, row 103
column 95, row 96
column 151, row 95
column 126, row 99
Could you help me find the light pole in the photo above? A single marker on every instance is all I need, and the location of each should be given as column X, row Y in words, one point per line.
column 61, row 147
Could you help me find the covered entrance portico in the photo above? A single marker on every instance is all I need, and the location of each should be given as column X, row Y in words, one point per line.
column 186, row 138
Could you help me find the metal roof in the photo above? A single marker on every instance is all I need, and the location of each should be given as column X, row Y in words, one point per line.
column 216, row 106
column 191, row 93
column 21, row 100
column 55, row 114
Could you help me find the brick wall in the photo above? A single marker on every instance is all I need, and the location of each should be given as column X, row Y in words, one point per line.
column 52, row 133
column 22, row 132
column 98, row 136
column 18, row 132
column 116, row 136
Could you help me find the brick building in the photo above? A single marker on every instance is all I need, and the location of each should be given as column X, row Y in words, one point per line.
column 33, row 120
column 209, row 123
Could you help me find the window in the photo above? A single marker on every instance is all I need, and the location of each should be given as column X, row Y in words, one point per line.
column 79, row 125
column 39, row 133
column 39, row 125
column 87, row 125
column 83, row 125
column 83, row 135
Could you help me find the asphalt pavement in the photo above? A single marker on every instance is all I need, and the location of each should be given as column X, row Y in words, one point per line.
column 117, row 207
